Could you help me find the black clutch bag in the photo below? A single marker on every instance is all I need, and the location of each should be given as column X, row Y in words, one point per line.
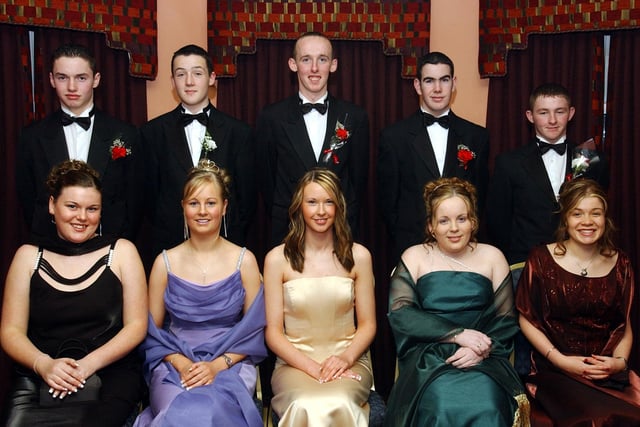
column 74, row 349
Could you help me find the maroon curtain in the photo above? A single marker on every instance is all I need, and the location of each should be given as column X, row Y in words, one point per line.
column 621, row 142
column 366, row 77
column 568, row 59
column 14, row 102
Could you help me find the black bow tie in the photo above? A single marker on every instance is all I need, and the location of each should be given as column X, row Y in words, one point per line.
column 429, row 119
column 84, row 122
column 320, row 107
column 202, row 117
column 559, row 148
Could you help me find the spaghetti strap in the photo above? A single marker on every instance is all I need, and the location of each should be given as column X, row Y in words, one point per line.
column 166, row 260
column 240, row 258
column 110, row 258
column 38, row 258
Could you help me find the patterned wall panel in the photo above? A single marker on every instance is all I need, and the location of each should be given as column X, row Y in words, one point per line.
column 506, row 24
column 128, row 24
column 234, row 26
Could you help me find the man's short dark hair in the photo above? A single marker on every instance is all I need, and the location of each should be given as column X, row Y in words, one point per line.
column 549, row 90
column 433, row 58
column 71, row 50
column 192, row 49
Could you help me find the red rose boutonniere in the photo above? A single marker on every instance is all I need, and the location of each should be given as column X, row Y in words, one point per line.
column 338, row 139
column 465, row 155
column 118, row 149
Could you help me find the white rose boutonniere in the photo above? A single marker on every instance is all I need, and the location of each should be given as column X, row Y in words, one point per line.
column 208, row 144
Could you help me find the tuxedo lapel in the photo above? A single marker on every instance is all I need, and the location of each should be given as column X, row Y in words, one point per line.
column 534, row 167
column 422, row 145
column 177, row 139
column 100, row 147
column 451, row 156
column 54, row 143
column 218, row 130
column 297, row 135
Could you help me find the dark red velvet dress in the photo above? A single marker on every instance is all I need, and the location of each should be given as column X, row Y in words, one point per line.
column 580, row 316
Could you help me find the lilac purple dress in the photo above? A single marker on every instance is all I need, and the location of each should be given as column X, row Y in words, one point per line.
column 205, row 321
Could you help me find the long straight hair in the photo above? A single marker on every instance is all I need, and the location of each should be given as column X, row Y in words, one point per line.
column 342, row 239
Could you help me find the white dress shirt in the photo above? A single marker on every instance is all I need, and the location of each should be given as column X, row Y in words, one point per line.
column 195, row 132
column 556, row 165
column 438, row 136
column 78, row 139
column 316, row 124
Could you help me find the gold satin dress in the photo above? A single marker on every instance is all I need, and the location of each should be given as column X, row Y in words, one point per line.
column 319, row 321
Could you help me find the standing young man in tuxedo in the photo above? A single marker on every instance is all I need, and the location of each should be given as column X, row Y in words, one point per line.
column 430, row 144
column 82, row 132
column 311, row 129
column 177, row 140
column 522, row 207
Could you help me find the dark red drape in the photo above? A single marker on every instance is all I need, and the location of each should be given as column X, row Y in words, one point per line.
column 623, row 135
column 366, row 77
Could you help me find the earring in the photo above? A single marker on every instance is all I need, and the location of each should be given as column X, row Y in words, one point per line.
column 100, row 229
column 186, row 229
column 224, row 224
column 53, row 219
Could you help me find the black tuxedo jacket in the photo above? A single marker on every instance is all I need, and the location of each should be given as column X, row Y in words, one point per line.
column 521, row 206
column 286, row 154
column 406, row 162
column 169, row 162
column 43, row 145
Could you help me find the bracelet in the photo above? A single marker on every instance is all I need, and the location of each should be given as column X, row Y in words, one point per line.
column 227, row 360
column 546, row 356
column 624, row 359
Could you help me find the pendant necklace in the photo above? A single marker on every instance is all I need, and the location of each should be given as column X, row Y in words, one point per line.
column 447, row 257
column 583, row 270
column 203, row 270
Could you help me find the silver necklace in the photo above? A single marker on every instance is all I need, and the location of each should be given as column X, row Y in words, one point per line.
column 583, row 270
column 447, row 257
column 203, row 270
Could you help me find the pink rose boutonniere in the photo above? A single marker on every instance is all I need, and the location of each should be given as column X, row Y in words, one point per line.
column 338, row 139
column 465, row 155
column 118, row 149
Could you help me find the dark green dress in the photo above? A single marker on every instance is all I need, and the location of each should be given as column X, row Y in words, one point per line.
column 429, row 392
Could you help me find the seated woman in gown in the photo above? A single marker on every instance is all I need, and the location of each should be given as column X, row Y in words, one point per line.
column 574, row 298
column 74, row 310
column 452, row 315
column 318, row 287
column 200, row 366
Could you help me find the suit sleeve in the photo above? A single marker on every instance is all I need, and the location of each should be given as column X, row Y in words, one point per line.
column 150, row 187
column 388, row 173
column 500, row 205
column 245, row 180
column 360, row 165
column 482, row 171
column 135, row 187
column 267, row 157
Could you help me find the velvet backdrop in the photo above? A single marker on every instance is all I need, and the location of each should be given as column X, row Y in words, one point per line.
column 366, row 77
